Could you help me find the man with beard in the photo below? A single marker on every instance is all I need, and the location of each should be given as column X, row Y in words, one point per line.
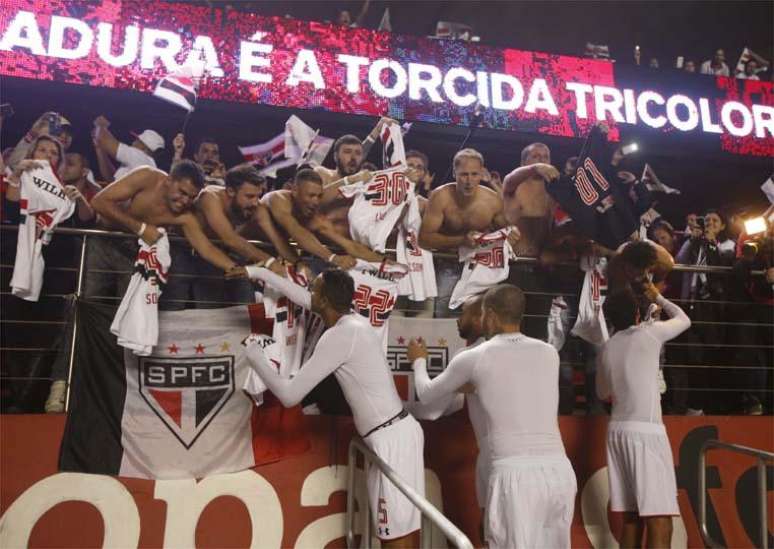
column 526, row 202
column 297, row 213
column 79, row 189
column 231, row 214
column 141, row 202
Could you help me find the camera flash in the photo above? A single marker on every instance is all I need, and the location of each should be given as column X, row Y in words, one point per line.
column 755, row 225
column 629, row 149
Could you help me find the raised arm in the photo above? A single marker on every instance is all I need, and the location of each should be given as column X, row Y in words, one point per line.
column 457, row 373
column 522, row 173
column 677, row 323
column 195, row 235
column 105, row 140
column 289, row 289
column 331, row 192
column 106, row 168
column 209, row 204
column 330, row 353
column 281, row 213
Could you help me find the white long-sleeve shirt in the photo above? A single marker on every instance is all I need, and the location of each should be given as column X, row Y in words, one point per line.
column 628, row 365
column 516, row 379
column 352, row 352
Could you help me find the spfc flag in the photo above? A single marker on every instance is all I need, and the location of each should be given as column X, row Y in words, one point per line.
column 179, row 413
column 178, row 89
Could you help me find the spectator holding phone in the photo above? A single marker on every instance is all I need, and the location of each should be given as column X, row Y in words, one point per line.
column 50, row 124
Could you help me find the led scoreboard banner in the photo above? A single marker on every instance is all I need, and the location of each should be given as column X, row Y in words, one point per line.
column 128, row 44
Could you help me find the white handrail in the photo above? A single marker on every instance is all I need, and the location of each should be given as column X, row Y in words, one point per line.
column 428, row 510
column 762, row 457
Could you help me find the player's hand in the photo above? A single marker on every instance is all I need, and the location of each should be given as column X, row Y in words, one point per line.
column 101, row 122
column 72, row 192
column 416, row 349
column 178, row 145
column 343, row 262
column 236, row 272
column 546, row 171
column 150, row 235
column 471, row 239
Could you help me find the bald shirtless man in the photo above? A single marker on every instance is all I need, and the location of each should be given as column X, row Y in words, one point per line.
column 454, row 215
column 296, row 214
column 141, row 202
column 526, row 202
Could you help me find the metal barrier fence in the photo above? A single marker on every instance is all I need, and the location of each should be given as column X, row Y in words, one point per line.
column 430, row 514
column 761, row 457
column 703, row 363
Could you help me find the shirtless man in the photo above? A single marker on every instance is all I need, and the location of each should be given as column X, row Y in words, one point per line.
column 141, row 202
column 455, row 215
column 526, row 202
column 296, row 213
column 231, row 214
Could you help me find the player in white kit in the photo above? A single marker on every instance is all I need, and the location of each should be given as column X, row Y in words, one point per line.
column 531, row 488
column 640, row 468
column 351, row 350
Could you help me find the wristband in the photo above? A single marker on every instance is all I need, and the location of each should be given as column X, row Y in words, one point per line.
column 330, row 259
column 370, row 138
column 142, row 229
column 269, row 262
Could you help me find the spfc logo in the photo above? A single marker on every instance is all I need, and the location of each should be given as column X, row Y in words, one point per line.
column 187, row 393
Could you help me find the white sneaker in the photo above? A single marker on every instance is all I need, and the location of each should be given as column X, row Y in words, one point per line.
column 55, row 404
column 694, row 412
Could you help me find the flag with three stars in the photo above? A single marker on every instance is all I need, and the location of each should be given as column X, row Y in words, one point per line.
column 180, row 412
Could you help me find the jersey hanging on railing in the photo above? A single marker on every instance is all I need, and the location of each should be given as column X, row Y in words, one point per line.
column 603, row 207
column 485, row 265
column 379, row 203
column 590, row 324
column 43, row 205
column 419, row 284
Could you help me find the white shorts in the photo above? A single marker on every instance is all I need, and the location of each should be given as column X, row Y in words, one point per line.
column 482, row 475
column 640, row 469
column 401, row 446
column 530, row 502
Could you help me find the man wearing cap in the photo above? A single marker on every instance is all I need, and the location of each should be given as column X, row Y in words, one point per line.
column 139, row 153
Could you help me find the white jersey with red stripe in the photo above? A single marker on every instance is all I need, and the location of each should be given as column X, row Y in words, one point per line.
column 43, row 205
column 420, row 282
column 590, row 324
column 485, row 265
column 376, row 289
column 379, row 203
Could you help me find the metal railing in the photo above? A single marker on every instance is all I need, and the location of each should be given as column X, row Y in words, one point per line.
column 762, row 457
column 430, row 514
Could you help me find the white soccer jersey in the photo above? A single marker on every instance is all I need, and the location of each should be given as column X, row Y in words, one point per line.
column 376, row 289
column 137, row 319
column 485, row 265
column 43, row 205
column 590, row 324
column 419, row 283
column 379, row 203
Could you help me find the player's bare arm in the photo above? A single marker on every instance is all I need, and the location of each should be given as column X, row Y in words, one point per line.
column 211, row 207
column 107, row 203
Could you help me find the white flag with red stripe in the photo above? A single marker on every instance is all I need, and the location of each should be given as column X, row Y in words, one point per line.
column 178, row 89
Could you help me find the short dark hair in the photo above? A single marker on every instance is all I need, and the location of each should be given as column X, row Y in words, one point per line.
column 664, row 225
column 640, row 255
column 573, row 161
column 338, row 288
column 188, row 169
column 347, row 139
column 418, row 154
column 207, row 139
column 506, row 301
column 307, row 174
column 82, row 157
column 621, row 308
column 244, row 173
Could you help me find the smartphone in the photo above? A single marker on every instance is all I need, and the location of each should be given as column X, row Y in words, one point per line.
column 54, row 125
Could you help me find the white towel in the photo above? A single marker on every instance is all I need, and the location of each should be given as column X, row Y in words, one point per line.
column 137, row 320
column 43, row 205
column 558, row 322
column 590, row 324
column 485, row 265
column 420, row 283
